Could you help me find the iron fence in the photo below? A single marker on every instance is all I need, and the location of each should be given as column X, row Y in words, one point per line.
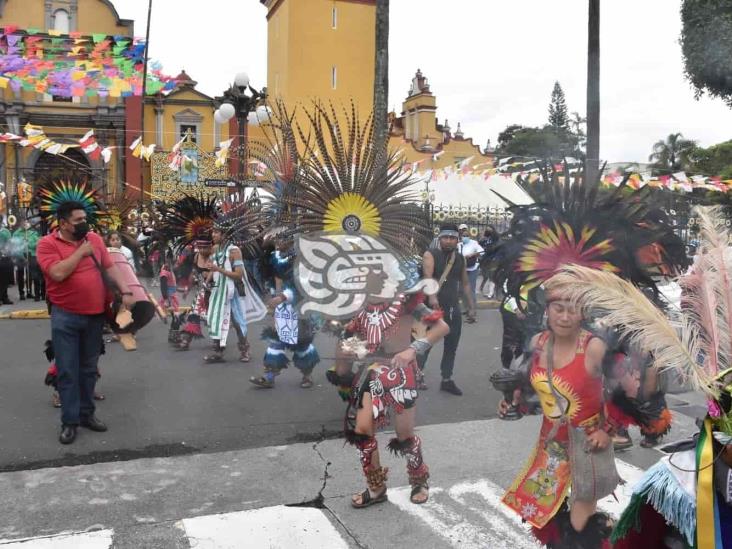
column 678, row 211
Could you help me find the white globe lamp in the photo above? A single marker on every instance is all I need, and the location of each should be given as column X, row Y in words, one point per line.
column 227, row 111
column 241, row 80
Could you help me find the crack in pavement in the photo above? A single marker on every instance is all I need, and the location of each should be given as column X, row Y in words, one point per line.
column 318, row 502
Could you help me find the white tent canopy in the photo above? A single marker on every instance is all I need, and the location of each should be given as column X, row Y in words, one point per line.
column 474, row 191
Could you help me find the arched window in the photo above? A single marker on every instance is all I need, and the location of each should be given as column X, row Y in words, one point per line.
column 60, row 21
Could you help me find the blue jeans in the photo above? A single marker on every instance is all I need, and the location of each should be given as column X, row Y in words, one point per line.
column 77, row 342
column 473, row 280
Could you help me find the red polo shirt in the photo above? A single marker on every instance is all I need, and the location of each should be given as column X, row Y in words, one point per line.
column 83, row 291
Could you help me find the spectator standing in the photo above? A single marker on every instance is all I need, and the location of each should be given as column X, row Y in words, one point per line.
column 490, row 243
column 6, row 264
column 471, row 252
column 23, row 248
column 447, row 265
column 75, row 262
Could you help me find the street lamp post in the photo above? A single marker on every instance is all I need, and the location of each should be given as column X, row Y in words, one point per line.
column 236, row 102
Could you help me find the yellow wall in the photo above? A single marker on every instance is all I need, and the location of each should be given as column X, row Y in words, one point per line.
column 191, row 101
column 303, row 48
column 24, row 13
column 94, row 16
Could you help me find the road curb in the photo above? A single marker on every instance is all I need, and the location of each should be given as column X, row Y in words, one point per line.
column 27, row 314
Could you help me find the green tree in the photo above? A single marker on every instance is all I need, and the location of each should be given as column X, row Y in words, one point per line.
column 546, row 143
column 706, row 46
column 507, row 135
column 714, row 160
column 577, row 125
column 672, row 154
column 558, row 117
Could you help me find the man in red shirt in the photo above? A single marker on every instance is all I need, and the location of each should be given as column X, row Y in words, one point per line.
column 72, row 260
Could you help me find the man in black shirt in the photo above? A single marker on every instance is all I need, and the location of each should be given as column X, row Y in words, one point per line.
column 446, row 265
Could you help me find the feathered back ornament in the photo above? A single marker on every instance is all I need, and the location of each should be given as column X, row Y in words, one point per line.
column 346, row 183
column 278, row 161
column 188, row 220
column 240, row 221
column 118, row 217
column 56, row 193
column 575, row 221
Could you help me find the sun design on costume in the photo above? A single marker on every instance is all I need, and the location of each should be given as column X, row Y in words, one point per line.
column 352, row 213
column 554, row 247
column 570, row 400
column 198, row 226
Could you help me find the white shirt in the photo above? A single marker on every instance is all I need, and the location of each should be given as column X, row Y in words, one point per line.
column 472, row 247
column 128, row 255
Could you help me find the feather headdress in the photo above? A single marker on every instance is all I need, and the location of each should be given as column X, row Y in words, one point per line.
column 278, row 161
column 345, row 183
column 240, row 221
column 575, row 221
column 54, row 194
column 188, row 220
column 120, row 213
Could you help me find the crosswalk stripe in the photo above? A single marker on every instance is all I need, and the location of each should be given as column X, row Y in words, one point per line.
column 449, row 510
column 271, row 527
column 100, row 539
column 455, row 524
column 467, row 515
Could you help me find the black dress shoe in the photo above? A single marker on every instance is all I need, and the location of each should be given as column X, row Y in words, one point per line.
column 448, row 385
column 68, row 434
column 94, row 424
column 22, row 297
column 6, row 301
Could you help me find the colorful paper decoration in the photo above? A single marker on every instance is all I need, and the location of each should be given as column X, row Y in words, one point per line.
column 140, row 150
column 90, row 146
column 222, row 155
column 76, row 66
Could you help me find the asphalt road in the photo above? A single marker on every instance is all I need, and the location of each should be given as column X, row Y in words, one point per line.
column 160, row 402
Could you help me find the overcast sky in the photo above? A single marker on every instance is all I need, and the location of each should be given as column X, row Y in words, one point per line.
column 490, row 63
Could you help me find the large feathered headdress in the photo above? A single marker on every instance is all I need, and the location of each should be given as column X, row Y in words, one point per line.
column 345, row 182
column 53, row 194
column 120, row 216
column 575, row 221
column 240, row 221
column 278, row 163
column 188, row 220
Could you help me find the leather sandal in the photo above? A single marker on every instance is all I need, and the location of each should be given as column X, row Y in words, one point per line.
column 262, row 382
column 214, row 358
column 418, row 489
column 368, row 501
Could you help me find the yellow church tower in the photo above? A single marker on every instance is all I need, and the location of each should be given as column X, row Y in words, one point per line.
column 321, row 50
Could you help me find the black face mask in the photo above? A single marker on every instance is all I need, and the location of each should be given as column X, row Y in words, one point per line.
column 80, row 230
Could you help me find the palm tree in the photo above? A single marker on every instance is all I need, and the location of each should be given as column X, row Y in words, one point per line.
column 672, row 154
column 593, row 90
column 381, row 74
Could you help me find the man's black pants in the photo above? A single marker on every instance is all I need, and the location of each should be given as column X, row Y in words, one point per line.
column 454, row 319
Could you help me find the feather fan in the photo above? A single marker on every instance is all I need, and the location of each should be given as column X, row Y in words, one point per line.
column 675, row 344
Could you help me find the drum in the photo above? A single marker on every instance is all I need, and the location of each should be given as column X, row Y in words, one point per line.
column 143, row 310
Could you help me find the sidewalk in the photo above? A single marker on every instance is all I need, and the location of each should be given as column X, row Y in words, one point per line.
column 243, row 498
